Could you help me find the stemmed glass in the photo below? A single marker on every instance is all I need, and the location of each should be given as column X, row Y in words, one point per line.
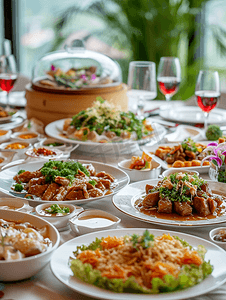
column 142, row 83
column 169, row 76
column 8, row 74
column 207, row 92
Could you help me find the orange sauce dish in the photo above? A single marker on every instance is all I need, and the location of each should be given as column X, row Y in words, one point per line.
column 3, row 132
column 27, row 136
column 15, row 146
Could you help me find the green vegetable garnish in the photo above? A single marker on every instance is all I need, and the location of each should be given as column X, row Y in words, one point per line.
column 213, row 132
column 189, row 144
column 68, row 169
column 146, row 240
column 93, row 182
column 103, row 117
column 18, row 187
column 54, row 144
column 21, row 171
column 55, row 208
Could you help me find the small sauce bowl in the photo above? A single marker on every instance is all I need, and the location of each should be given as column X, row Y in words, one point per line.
column 93, row 220
column 178, row 170
column 215, row 232
column 44, row 153
column 13, row 204
column 5, row 135
column 26, row 136
column 16, row 146
column 138, row 175
column 59, row 221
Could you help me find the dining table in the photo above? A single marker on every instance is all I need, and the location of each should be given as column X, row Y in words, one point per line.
column 45, row 285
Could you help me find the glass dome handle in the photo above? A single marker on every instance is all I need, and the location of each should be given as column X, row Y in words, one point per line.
column 76, row 45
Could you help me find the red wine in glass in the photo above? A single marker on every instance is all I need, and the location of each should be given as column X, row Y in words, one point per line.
column 168, row 85
column 207, row 100
column 7, row 81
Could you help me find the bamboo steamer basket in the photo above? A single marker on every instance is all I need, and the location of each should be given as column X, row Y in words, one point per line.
column 51, row 105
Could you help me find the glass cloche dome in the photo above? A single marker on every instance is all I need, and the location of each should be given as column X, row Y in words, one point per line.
column 75, row 68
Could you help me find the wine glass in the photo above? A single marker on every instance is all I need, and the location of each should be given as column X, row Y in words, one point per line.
column 207, row 92
column 169, row 76
column 8, row 75
column 142, row 83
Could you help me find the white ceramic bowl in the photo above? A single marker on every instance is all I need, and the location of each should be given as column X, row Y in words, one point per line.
column 5, row 136
column 33, row 140
column 178, row 170
column 16, row 204
column 29, row 266
column 60, row 222
column 30, row 152
column 20, row 152
column 215, row 231
column 93, row 220
column 138, row 175
column 48, row 141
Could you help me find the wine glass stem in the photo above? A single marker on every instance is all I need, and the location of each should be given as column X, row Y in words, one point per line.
column 167, row 97
column 206, row 115
column 140, row 108
column 7, row 101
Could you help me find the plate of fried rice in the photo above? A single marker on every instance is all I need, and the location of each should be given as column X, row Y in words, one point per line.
column 156, row 264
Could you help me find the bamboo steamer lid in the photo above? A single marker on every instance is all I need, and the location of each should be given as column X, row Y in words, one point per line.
column 49, row 106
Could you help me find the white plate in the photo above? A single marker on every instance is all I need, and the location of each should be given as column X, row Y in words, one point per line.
column 12, row 123
column 193, row 115
column 8, row 118
column 60, row 268
column 6, row 181
column 54, row 130
column 126, row 198
column 164, row 165
column 183, row 132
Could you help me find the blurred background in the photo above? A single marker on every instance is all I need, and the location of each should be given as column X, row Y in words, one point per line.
column 125, row 30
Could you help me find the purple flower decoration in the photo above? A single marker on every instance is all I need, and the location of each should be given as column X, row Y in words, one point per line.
column 53, row 68
column 212, row 144
column 93, row 77
column 83, row 77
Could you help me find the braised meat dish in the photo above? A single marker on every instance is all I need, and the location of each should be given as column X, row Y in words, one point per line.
column 186, row 154
column 60, row 181
column 183, row 194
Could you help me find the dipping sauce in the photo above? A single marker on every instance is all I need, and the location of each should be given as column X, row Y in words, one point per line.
column 28, row 136
column 3, row 132
column 16, row 146
column 221, row 236
column 94, row 221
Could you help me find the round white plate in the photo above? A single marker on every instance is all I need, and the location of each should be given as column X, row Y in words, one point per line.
column 164, row 165
column 54, row 130
column 126, row 198
column 8, row 118
column 60, row 268
column 6, row 181
column 12, row 123
column 193, row 115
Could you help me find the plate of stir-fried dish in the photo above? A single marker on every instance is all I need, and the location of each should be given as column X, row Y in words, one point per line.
column 179, row 199
column 64, row 181
column 105, row 125
column 156, row 264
